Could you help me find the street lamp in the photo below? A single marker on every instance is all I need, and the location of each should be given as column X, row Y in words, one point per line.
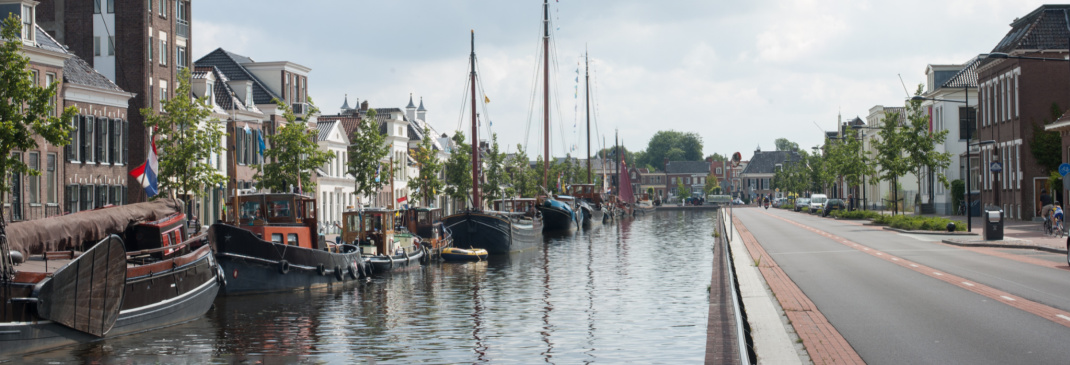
column 969, row 137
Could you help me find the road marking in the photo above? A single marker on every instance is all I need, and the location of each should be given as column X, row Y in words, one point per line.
column 1029, row 306
column 967, row 283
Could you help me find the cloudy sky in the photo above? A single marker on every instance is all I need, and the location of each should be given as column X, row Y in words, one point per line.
column 738, row 73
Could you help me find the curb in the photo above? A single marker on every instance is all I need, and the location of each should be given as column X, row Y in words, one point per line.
column 1004, row 245
column 936, row 233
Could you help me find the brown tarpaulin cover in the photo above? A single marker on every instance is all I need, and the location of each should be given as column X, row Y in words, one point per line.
column 67, row 232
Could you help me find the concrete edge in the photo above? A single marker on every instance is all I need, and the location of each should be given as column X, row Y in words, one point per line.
column 1005, row 245
column 774, row 338
column 934, row 233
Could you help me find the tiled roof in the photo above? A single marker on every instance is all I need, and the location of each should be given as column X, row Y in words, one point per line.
column 966, row 77
column 1046, row 28
column 77, row 71
column 230, row 64
column 687, row 167
column 45, row 41
column 325, row 129
column 764, row 162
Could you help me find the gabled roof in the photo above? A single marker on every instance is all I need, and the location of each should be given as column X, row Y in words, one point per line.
column 325, row 128
column 231, row 65
column 77, row 71
column 687, row 167
column 45, row 41
column 1046, row 28
column 764, row 162
column 966, row 77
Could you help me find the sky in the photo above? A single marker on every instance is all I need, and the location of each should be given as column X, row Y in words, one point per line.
column 740, row 74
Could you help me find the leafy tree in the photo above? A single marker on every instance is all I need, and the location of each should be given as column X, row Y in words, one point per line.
column 711, row 184
column 366, row 152
column 292, row 154
column 682, row 191
column 846, row 158
column 496, row 179
column 783, row 144
column 717, row 157
column 1046, row 145
column 676, row 146
column 426, row 182
column 459, row 169
column 920, row 144
column 890, row 145
column 523, row 177
column 25, row 108
column 187, row 136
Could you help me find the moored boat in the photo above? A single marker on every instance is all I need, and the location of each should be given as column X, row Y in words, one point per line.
column 460, row 254
column 557, row 215
column 427, row 224
column 273, row 246
column 140, row 270
column 381, row 243
column 590, row 202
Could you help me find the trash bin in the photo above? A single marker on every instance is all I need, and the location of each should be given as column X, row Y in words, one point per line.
column 993, row 218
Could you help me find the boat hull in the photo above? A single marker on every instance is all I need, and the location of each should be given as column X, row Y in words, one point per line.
column 166, row 297
column 251, row 265
column 382, row 263
column 495, row 233
column 555, row 218
column 459, row 255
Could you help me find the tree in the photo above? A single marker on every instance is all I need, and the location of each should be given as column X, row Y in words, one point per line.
column 920, row 144
column 523, row 176
column 292, row 154
column 459, row 169
column 717, row 157
column 783, row 144
column 676, row 146
column 682, row 191
column 494, row 188
column 367, row 149
column 890, row 145
column 711, row 184
column 25, row 108
column 187, row 136
column 846, row 158
column 1046, row 145
column 426, row 182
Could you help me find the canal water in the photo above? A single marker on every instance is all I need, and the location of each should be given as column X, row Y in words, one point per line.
column 635, row 291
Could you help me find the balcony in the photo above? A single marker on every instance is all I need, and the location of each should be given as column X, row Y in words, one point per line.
column 183, row 28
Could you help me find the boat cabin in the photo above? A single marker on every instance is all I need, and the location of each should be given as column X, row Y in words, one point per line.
column 168, row 231
column 587, row 192
column 421, row 221
column 281, row 218
column 523, row 206
column 371, row 229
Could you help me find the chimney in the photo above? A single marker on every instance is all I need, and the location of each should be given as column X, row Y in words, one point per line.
column 364, row 106
column 666, row 167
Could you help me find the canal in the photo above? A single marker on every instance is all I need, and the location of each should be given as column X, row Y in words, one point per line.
column 632, row 291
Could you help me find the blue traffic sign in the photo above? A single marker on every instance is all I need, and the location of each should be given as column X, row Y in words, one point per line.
column 995, row 166
column 1064, row 169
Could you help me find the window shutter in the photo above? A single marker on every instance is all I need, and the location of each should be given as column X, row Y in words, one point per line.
column 99, row 135
column 71, row 142
column 126, row 142
column 238, row 140
column 83, row 124
column 113, row 140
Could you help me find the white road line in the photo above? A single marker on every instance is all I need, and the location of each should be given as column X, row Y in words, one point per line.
column 1063, row 317
column 967, row 283
column 913, row 265
column 1006, row 297
column 937, row 273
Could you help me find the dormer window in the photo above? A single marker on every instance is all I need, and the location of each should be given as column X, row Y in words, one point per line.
column 249, row 94
column 27, row 23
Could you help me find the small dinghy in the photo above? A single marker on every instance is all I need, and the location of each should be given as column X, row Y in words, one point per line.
column 460, row 254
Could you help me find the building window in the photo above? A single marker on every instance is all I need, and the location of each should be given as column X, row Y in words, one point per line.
column 87, row 139
column 96, row 6
column 966, row 129
column 96, row 46
column 34, row 181
column 180, row 57
column 27, row 23
column 163, row 52
column 49, row 79
column 86, row 194
column 150, row 6
column 163, row 8
column 151, row 44
column 101, row 132
column 111, row 45
column 163, row 92
column 50, row 179
column 111, row 6
column 114, row 138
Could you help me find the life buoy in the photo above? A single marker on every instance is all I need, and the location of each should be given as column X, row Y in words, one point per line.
column 339, row 274
column 284, row 267
column 321, row 269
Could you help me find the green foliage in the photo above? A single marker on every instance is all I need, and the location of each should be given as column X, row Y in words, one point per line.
column 495, row 187
column 292, row 154
column 25, row 108
column 711, row 185
column 366, row 152
column 918, row 223
column 854, row 214
column 783, row 144
column 920, row 144
column 958, row 194
column 1046, row 145
column 676, row 146
column 846, row 158
column 682, row 191
column 459, row 169
column 717, row 157
column 187, row 136
column 426, row 182
column 523, row 177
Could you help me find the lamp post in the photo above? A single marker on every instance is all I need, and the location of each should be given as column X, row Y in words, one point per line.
column 862, row 137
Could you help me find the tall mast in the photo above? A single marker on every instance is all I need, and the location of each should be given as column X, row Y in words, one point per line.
column 616, row 148
column 545, row 92
column 476, row 198
column 587, row 79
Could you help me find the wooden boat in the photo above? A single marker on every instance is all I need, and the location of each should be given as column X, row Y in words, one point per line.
column 381, row 244
column 427, row 224
column 557, row 215
column 140, row 270
column 500, row 231
column 644, row 204
column 273, row 246
column 590, row 202
column 460, row 254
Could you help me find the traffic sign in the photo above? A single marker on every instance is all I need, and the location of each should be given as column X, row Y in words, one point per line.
column 1064, row 169
column 995, row 166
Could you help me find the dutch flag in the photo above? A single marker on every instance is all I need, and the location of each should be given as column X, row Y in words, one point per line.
column 146, row 173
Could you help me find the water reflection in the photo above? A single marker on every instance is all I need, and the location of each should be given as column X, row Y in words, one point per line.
column 630, row 291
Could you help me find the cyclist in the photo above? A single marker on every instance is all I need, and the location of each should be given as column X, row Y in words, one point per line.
column 1057, row 219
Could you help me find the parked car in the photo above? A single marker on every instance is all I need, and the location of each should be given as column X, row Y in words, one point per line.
column 817, row 202
column 833, row 204
column 738, row 201
column 800, row 203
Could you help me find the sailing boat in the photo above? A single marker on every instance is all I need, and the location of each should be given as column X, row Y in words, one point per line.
column 557, row 215
column 498, row 231
column 588, row 199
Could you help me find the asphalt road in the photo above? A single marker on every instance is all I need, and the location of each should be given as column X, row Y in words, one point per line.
column 904, row 311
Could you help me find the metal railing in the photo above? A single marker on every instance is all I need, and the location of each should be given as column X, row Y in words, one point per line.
column 182, row 28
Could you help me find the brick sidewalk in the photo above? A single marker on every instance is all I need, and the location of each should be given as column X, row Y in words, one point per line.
column 1020, row 234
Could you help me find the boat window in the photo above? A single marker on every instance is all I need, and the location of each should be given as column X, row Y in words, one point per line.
column 351, row 223
column 291, row 239
column 371, row 222
column 250, row 210
column 388, row 221
column 276, row 237
column 425, row 217
column 279, row 209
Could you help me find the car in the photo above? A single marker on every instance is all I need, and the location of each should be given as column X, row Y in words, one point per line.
column 800, row 203
column 833, row 204
column 738, row 201
column 817, row 202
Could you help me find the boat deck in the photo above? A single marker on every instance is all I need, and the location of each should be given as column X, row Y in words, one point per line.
column 55, row 260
